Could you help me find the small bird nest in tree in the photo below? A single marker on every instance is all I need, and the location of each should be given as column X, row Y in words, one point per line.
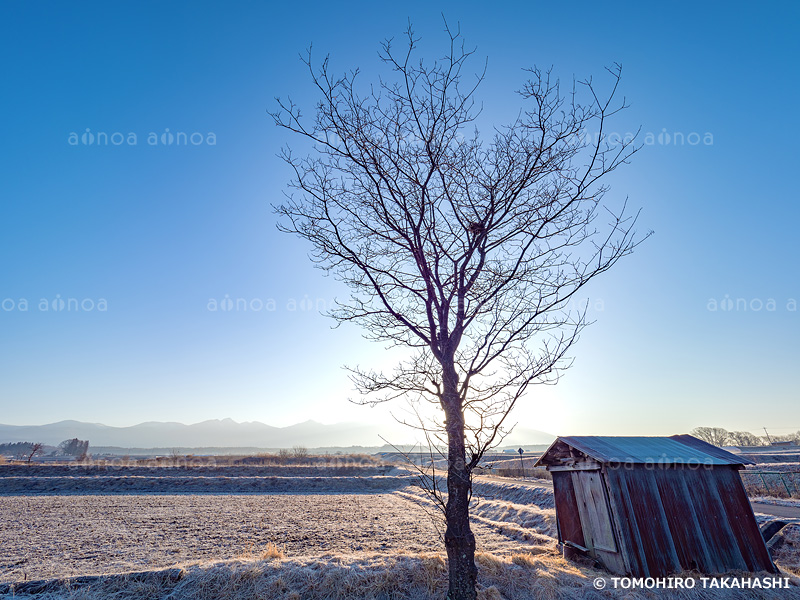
column 475, row 228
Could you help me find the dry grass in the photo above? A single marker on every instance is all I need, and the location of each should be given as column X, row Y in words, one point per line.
column 271, row 551
column 542, row 576
column 786, row 485
column 514, row 468
column 787, row 554
column 521, row 522
column 794, row 502
column 519, row 473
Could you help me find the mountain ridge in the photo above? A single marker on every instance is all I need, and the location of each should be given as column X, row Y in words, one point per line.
column 228, row 433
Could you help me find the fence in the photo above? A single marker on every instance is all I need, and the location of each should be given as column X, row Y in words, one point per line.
column 772, row 482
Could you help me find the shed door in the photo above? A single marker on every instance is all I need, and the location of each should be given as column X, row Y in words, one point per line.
column 593, row 507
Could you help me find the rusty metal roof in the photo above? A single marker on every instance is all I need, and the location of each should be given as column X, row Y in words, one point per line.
column 678, row 449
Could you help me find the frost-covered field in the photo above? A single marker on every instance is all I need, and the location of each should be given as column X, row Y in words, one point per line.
column 325, row 542
column 111, row 479
column 60, row 536
column 188, row 484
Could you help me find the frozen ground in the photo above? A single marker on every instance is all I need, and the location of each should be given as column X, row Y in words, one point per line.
column 315, row 540
column 192, row 484
column 795, row 502
column 60, row 536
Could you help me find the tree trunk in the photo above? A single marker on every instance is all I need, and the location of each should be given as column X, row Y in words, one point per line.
column 458, row 538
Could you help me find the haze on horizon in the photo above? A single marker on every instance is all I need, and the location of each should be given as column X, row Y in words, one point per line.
column 227, row 433
column 190, row 306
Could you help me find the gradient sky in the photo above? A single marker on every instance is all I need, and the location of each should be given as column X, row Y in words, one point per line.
column 157, row 231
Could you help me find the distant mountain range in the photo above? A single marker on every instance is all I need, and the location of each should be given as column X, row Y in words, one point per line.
column 228, row 433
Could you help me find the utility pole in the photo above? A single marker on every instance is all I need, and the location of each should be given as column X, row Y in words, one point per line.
column 769, row 439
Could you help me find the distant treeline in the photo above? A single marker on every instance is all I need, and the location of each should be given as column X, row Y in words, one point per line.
column 722, row 437
column 74, row 447
column 239, row 450
column 19, row 448
column 254, row 451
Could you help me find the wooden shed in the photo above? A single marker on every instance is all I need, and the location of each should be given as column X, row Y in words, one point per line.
column 651, row 506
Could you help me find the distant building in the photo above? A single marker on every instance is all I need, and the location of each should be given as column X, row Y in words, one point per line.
column 651, row 506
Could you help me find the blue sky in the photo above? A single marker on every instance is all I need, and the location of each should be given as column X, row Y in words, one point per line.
column 142, row 236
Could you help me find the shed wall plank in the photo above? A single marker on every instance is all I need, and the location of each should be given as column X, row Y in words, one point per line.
column 720, row 540
column 569, row 521
column 627, row 524
column 593, row 509
column 684, row 524
column 740, row 517
column 662, row 558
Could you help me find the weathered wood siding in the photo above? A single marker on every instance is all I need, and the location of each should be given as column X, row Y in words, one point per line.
column 597, row 519
column 677, row 518
column 567, row 515
column 593, row 509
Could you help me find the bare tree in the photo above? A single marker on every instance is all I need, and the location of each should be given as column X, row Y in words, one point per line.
column 744, row 438
column 75, row 447
column 713, row 435
column 35, row 449
column 465, row 251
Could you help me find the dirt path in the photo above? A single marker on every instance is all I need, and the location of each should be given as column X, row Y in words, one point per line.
column 785, row 512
